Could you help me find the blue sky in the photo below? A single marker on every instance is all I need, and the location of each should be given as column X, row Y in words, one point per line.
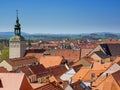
column 61, row 16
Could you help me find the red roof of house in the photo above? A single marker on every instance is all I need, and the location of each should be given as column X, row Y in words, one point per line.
column 68, row 54
column 49, row 61
column 50, row 86
column 76, row 85
column 38, row 70
column 3, row 70
column 23, row 60
column 14, row 81
column 57, row 70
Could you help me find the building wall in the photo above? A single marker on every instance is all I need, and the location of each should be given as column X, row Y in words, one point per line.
column 6, row 65
column 98, row 48
column 96, row 57
column 68, row 75
column 43, row 79
column 23, row 48
column 16, row 49
column 33, row 78
column 107, row 59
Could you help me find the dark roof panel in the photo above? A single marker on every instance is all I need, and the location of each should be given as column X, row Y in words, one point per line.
column 101, row 54
column 116, row 76
column 114, row 49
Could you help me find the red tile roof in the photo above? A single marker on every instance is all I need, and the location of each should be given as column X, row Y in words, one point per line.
column 3, row 70
column 50, row 86
column 66, row 53
column 14, row 81
column 84, row 52
column 21, row 61
column 57, row 70
column 50, row 61
column 38, row 70
column 76, row 85
column 37, row 55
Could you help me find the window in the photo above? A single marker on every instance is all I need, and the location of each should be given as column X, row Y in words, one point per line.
column 82, row 85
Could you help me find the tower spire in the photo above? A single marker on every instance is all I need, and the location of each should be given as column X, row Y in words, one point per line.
column 17, row 28
column 17, row 21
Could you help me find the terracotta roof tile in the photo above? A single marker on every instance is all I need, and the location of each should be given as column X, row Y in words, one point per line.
column 80, row 74
column 99, row 66
column 57, row 70
column 96, row 73
column 38, row 70
column 25, row 70
column 110, row 82
column 50, row 86
column 85, row 73
column 21, row 61
column 68, row 54
column 3, row 70
column 14, row 81
column 50, row 45
column 37, row 55
column 109, row 41
column 84, row 52
column 49, row 61
column 76, row 85
column 63, row 84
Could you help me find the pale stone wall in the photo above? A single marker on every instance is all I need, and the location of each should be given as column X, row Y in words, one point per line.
column 17, row 49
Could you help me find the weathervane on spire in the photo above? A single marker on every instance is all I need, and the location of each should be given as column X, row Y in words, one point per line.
column 17, row 21
column 17, row 13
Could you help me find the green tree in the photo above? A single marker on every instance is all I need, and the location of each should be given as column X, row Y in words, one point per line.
column 4, row 54
column 1, row 46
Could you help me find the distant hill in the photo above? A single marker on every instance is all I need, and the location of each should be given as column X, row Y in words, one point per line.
column 9, row 34
column 97, row 35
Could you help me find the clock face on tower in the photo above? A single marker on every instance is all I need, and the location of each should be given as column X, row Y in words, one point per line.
column 13, row 44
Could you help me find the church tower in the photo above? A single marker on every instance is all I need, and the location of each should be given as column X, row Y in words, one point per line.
column 17, row 44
